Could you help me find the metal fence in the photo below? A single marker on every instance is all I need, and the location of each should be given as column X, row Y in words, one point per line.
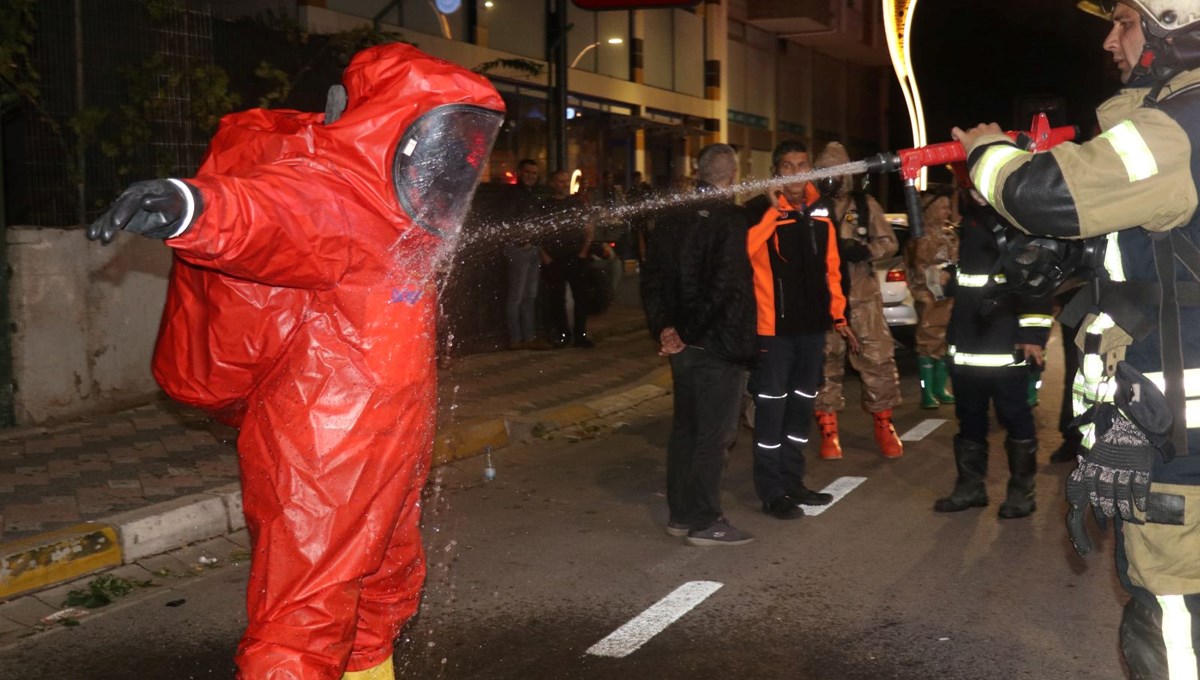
column 114, row 104
column 122, row 97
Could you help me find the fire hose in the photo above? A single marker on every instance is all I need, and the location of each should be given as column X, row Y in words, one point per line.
column 909, row 162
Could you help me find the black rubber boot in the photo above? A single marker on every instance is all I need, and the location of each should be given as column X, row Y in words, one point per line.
column 971, row 460
column 1022, row 468
column 1065, row 453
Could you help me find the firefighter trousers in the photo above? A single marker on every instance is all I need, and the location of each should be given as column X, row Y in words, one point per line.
column 1157, row 564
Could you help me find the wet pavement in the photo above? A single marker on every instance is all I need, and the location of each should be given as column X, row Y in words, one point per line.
column 84, row 470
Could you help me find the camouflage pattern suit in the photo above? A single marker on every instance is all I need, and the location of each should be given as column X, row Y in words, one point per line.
column 938, row 246
column 876, row 363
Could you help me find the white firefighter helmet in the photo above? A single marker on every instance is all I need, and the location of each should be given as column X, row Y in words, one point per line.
column 1163, row 17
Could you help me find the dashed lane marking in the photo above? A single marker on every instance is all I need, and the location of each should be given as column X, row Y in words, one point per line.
column 628, row 638
column 922, row 430
column 839, row 488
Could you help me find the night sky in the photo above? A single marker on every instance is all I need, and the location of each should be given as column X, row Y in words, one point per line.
column 976, row 60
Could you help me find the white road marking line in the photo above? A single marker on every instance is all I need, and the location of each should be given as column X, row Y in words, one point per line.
column 638, row 630
column 839, row 488
column 921, row 431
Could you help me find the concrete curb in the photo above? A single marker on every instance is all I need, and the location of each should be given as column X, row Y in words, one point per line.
column 56, row 557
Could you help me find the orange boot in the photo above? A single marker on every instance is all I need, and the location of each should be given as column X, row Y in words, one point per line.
column 831, row 448
column 885, row 436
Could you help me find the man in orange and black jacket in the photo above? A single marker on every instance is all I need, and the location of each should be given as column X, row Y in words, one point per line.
column 798, row 289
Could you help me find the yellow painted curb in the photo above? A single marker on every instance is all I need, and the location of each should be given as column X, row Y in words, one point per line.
column 662, row 378
column 57, row 556
column 469, row 439
column 561, row 416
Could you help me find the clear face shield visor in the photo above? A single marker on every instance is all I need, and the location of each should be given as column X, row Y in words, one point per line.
column 439, row 162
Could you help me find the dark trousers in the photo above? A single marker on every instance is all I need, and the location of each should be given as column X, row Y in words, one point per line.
column 784, row 384
column 704, row 426
column 1008, row 389
column 556, row 276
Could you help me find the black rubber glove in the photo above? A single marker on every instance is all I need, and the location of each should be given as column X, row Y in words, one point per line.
column 853, row 251
column 154, row 209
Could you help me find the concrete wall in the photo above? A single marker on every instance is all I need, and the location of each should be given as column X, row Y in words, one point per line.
column 84, row 321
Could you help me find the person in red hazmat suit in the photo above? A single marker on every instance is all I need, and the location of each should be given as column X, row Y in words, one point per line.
column 301, row 308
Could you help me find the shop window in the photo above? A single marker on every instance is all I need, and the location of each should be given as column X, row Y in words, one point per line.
column 673, row 50
column 588, row 28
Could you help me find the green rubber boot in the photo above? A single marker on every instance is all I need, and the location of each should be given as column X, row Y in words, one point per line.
column 1035, row 383
column 925, row 371
column 941, row 373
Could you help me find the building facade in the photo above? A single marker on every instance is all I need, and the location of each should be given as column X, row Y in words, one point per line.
column 82, row 319
column 646, row 89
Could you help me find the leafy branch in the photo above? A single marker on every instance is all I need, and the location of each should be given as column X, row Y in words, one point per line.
column 341, row 47
column 527, row 66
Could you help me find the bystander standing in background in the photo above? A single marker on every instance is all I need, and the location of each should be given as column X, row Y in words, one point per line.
column 523, row 255
column 699, row 301
column 798, row 288
column 565, row 254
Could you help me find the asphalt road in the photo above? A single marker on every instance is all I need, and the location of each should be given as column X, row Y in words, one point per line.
column 530, row 572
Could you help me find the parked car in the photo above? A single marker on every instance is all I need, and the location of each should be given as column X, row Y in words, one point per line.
column 898, row 307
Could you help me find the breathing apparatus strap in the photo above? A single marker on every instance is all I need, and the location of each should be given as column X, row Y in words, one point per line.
column 864, row 211
column 1171, row 347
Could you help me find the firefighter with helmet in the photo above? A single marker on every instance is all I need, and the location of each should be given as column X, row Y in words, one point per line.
column 1123, row 207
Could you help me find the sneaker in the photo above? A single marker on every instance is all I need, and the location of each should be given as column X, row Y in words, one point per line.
column 719, row 532
column 584, row 342
column 784, row 507
column 806, row 496
column 678, row 529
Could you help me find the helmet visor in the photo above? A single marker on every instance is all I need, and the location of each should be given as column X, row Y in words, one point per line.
column 439, row 162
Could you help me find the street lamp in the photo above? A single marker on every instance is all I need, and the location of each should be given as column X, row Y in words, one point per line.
column 589, row 48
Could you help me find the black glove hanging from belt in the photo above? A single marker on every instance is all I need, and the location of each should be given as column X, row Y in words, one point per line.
column 1114, row 477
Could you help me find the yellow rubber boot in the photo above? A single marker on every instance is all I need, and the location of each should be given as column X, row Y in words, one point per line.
column 384, row 671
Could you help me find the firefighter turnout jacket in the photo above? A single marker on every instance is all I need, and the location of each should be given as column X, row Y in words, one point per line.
column 981, row 343
column 1135, row 186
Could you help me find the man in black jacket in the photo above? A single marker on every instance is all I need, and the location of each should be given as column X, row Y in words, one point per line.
column 699, row 299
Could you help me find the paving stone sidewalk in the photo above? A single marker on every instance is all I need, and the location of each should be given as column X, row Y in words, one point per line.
column 56, row 477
